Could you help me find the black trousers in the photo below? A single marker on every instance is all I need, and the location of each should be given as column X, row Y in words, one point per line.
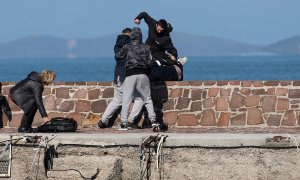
column 27, row 118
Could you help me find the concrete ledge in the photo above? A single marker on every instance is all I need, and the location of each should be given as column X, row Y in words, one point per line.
column 173, row 140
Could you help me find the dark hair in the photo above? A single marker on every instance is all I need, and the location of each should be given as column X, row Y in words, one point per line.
column 163, row 23
column 127, row 30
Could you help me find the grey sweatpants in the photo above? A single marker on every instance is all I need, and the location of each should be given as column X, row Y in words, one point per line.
column 115, row 104
column 137, row 85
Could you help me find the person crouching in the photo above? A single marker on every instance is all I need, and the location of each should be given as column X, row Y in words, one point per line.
column 27, row 94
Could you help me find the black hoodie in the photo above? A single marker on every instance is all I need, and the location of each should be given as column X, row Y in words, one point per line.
column 120, row 63
column 158, row 42
column 28, row 93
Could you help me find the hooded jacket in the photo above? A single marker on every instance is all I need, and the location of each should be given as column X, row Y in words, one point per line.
column 120, row 63
column 137, row 54
column 158, row 42
column 28, row 93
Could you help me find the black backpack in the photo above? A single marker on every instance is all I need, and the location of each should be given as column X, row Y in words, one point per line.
column 59, row 124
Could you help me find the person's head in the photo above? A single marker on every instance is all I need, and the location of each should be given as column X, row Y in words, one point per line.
column 127, row 31
column 161, row 26
column 47, row 76
column 136, row 34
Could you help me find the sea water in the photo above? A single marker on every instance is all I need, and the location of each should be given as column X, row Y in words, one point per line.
column 196, row 68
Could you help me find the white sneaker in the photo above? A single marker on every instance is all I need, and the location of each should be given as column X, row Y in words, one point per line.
column 182, row 60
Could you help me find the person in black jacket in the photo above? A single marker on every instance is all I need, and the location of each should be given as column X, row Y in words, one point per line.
column 166, row 68
column 27, row 94
column 119, row 77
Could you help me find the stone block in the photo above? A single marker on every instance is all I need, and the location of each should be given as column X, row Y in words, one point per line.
column 196, row 106
column 246, row 83
column 234, row 83
column 108, row 93
column 269, row 103
column 225, row 92
column 274, row 120
column 285, row 83
column 252, row 100
column 49, row 102
column 176, row 92
column 98, row 106
column 213, row 92
column 224, row 119
column 80, row 94
column 208, row 103
column 254, row 117
column 209, row 83
column 237, row 100
column 66, row 106
column 296, row 83
column 283, row 104
column 245, row 91
column 289, row 119
column 187, row 120
column 196, row 94
column 222, row 83
column 83, row 106
column 186, row 93
column 294, row 93
column 47, row 91
column 271, row 83
column 170, row 117
column 183, row 103
column 169, row 105
column 281, row 92
column 93, row 94
column 222, row 104
column 258, row 84
column 258, row 92
column 196, row 83
column 208, row 118
column 271, row 91
column 238, row 120
column 62, row 93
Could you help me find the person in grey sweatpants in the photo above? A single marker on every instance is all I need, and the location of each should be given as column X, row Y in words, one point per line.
column 138, row 66
column 119, row 77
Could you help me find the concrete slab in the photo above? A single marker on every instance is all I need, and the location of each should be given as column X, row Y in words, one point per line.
column 173, row 139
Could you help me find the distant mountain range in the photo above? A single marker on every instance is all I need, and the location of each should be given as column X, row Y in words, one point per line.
column 44, row 46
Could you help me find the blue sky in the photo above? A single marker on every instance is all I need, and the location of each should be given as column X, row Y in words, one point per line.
column 252, row 21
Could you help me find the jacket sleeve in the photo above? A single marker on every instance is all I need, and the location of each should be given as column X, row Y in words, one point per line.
column 170, row 48
column 5, row 107
column 148, row 19
column 122, row 53
column 37, row 93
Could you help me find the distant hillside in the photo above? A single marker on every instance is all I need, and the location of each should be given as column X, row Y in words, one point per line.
column 286, row 46
column 186, row 44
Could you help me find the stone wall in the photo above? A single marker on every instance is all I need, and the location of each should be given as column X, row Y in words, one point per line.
column 238, row 104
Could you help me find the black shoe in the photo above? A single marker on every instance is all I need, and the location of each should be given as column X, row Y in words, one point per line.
column 123, row 127
column 23, row 130
column 102, row 125
column 133, row 126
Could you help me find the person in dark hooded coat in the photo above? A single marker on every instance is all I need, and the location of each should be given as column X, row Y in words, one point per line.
column 27, row 94
column 138, row 65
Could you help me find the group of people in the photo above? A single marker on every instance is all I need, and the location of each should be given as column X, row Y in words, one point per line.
column 137, row 64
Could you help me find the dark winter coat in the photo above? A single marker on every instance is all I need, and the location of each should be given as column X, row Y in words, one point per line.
column 137, row 54
column 27, row 94
column 158, row 42
column 120, row 63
